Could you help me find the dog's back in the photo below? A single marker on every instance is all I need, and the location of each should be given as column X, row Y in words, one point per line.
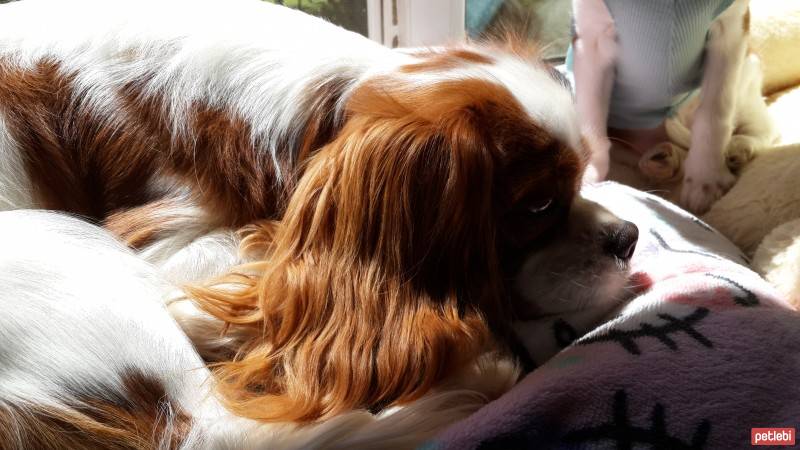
column 109, row 105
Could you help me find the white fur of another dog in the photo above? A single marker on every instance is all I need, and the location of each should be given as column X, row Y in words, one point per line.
column 80, row 310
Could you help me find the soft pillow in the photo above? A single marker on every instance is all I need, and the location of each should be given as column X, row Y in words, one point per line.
column 775, row 34
column 706, row 352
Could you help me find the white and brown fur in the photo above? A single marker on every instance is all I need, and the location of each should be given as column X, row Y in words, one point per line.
column 175, row 123
column 91, row 359
column 728, row 120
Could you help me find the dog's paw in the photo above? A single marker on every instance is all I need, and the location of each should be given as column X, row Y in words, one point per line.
column 740, row 152
column 703, row 185
column 662, row 163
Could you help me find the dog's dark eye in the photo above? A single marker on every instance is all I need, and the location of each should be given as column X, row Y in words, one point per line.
column 540, row 206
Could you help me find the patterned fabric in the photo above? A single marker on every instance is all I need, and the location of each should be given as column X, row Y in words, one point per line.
column 655, row 74
column 707, row 352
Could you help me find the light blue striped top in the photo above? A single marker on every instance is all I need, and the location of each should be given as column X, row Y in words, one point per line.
column 660, row 57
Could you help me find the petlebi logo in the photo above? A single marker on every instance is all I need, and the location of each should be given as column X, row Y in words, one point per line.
column 772, row 436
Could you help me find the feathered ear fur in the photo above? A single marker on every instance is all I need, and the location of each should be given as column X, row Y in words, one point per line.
column 516, row 29
column 382, row 277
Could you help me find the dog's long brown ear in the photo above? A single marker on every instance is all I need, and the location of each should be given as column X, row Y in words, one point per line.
column 382, row 277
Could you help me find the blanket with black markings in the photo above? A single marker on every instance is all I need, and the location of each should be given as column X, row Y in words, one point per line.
column 705, row 353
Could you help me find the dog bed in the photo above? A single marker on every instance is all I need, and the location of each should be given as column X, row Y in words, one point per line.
column 705, row 352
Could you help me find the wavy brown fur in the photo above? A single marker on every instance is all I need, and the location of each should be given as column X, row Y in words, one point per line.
column 383, row 277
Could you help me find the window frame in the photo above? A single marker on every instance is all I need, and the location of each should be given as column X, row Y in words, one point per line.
column 416, row 23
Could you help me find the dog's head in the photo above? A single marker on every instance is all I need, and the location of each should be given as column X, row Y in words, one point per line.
column 584, row 264
column 387, row 271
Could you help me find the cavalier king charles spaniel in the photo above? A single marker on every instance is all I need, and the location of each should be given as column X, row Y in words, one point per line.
column 397, row 209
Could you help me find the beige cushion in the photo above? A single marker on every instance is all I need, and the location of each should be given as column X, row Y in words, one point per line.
column 775, row 36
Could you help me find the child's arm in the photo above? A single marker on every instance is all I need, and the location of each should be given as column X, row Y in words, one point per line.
column 595, row 50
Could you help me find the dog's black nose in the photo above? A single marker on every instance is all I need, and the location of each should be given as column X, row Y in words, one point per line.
column 621, row 240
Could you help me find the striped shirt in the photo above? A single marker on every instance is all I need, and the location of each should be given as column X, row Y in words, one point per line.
column 660, row 56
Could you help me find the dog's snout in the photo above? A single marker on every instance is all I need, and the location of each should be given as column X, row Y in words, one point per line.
column 621, row 240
